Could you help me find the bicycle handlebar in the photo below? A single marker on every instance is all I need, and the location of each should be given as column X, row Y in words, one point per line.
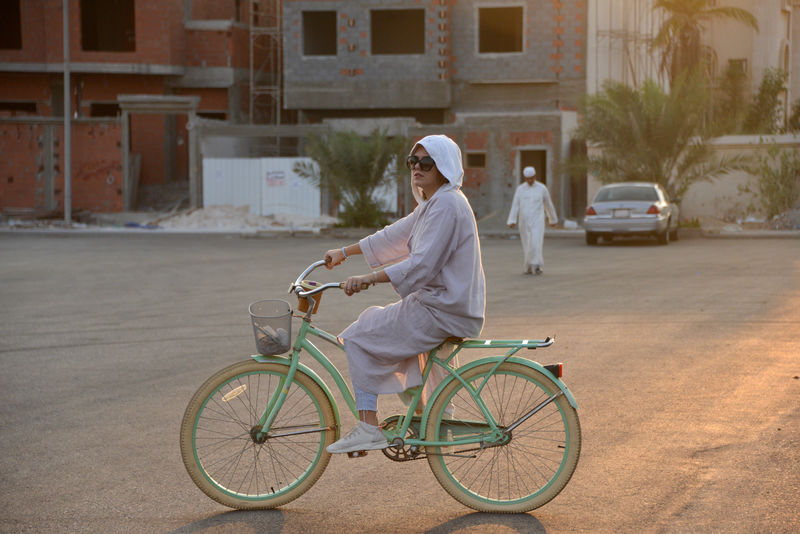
column 306, row 272
column 297, row 287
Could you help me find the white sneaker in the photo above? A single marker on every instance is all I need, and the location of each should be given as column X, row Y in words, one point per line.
column 363, row 437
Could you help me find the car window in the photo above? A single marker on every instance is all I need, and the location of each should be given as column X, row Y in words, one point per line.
column 633, row 192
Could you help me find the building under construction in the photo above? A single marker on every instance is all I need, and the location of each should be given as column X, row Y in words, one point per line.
column 253, row 76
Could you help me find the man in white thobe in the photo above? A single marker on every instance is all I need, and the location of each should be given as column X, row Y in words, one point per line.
column 531, row 203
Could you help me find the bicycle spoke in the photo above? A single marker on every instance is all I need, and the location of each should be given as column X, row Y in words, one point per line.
column 512, row 473
column 225, row 447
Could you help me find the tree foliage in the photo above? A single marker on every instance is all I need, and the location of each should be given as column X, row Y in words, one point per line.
column 730, row 104
column 646, row 134
column 793, row 124
column 764, row 116
column 679, row 37
column 777, row 185
column 352, row 168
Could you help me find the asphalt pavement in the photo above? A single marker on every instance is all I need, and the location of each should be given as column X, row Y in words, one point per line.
column 684, row 361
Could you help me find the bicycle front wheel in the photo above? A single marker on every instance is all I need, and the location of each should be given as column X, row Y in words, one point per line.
column 532, row 465
column 221, row 448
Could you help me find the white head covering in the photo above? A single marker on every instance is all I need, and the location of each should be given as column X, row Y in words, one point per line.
column 528, row 172
column 447, row 156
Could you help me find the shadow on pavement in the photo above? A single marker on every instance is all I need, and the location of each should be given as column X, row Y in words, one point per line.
column 237, row 521
column 276, row 520
column 514, row 522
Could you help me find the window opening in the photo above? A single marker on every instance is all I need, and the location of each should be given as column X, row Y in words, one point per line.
column 499, row 29
column 104, row 109
column 738, row 66
column 476, row 160
column 397, row 31
column 216, row 115
column 17, row 108
column 108, row 26
column 10, row 25
column 319, row 33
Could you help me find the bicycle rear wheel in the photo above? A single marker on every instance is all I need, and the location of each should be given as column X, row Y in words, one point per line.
column 529, row 469
column 224, row 456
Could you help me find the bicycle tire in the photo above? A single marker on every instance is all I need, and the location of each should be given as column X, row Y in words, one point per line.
column 528, row 471
column 227, row 463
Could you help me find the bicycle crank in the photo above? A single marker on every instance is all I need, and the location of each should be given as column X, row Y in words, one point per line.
column 397, row 450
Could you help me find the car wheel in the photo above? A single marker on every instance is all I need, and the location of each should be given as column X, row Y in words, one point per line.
column 591, row 238
column 663, row 237
column 608, row 238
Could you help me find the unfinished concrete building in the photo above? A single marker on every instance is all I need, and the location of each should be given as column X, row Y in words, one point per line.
column 191, row 56
column 501, row 77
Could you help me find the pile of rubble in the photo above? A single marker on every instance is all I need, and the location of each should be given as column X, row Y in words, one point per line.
column 209, row 219
column 230, row 218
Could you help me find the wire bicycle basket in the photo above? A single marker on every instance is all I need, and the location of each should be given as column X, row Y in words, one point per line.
column 272, row 326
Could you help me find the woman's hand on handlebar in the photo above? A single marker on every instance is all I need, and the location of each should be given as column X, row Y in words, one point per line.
column 334, row 257
column 354, row 284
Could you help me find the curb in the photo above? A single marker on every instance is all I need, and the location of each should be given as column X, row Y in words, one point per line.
column 358, row 233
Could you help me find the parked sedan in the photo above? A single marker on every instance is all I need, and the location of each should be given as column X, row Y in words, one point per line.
column 631, row 209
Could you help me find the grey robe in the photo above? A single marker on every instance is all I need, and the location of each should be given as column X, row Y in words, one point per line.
column 436, row 268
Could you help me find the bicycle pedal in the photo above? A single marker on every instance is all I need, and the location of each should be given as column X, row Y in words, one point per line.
column 356, row 454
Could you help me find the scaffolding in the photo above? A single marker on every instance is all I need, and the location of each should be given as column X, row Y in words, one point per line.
column 265, row 61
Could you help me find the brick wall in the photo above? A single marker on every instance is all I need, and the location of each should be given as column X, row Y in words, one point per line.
column 97, row 167
column 23, row 173
column 161, row 140
column 217, row 9
column 216, row 48
column 159, row 35
column 41, row 30
column 26, row 87
column 33, row 165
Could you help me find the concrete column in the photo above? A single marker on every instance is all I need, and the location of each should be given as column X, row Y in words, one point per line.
column 170, row 163
column 195, row 173
column 126, row 162
column 49, row 137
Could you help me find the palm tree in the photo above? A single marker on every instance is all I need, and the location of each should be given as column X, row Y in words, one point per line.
column 352, row 168
column 646, row 134
column 680, row 35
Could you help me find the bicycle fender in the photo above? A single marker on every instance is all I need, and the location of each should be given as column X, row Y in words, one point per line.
column 495, row 359
column 280, row 360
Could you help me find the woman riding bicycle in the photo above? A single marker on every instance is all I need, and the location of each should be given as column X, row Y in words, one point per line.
column 432, row 258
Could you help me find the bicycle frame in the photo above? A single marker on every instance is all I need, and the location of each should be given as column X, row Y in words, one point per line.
column 493, row 433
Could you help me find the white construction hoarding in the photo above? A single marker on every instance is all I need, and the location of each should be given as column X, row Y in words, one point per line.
column 268, row 186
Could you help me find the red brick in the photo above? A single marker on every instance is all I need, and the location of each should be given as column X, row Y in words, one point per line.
column 476, row 140
column 531, row 138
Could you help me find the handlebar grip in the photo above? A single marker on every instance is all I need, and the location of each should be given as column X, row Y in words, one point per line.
column 363, row 286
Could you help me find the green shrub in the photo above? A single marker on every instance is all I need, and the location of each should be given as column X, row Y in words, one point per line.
column 777, row 186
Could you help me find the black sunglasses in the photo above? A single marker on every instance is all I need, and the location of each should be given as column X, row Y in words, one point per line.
column 426, row 163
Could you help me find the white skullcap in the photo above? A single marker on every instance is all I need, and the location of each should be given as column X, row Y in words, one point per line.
column 528, row 172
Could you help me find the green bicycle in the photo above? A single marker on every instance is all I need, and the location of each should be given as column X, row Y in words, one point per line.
column 501, row 434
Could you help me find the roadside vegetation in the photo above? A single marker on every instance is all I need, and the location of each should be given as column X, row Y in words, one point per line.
column 351, row 169
column 777, row 183
column 650, row 135
column 679, row 37
column 648, row 132
column 661, row 132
